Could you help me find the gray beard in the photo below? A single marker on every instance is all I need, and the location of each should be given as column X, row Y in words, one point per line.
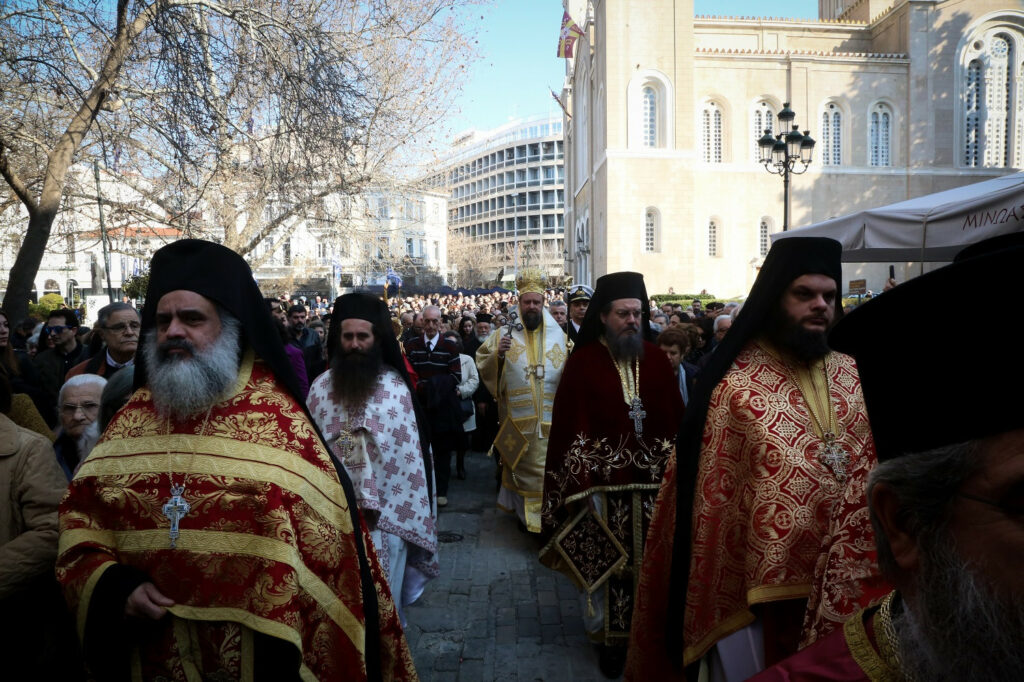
column 964, row 628
column 626, row 346
column 87, row 441
column 183, row 387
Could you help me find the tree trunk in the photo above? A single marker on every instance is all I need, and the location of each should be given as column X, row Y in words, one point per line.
column 26, row 265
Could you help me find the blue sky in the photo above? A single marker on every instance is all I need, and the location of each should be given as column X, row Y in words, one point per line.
column 517, row 63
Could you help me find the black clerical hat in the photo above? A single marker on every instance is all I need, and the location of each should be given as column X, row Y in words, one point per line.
column 221, row 275
column 918, row 392
column 360, row 306
column 612, row 287
column 484, row 317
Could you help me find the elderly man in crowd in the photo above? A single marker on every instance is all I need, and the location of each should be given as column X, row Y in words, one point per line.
column 210, row 534
column 79, row 406
column 365, row 407
column 118, row 325
column 947, row 497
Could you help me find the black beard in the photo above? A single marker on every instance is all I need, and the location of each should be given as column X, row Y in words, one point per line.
column 625, row 346
column 962, row 627
column 354, row 375
column 532, row 319
column 806, row 345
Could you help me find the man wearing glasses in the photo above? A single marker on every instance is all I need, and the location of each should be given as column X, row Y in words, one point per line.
column 119, row 328
column 53, row 364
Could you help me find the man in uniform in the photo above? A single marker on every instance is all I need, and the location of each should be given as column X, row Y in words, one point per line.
column 210, row 534
column 521, row 366
column 947, row 497
column 775, row 443
column 579, row 298
column 364, row 406
column 616, row 413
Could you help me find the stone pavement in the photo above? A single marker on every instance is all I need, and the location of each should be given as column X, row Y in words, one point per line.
column 495, row 613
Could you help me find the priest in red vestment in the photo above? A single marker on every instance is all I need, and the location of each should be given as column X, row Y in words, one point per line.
column 762, row 512
column 210, row 535
column 616, row 413
column 946, row 496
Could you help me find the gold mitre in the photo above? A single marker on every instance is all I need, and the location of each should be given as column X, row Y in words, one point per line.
column 531, row 281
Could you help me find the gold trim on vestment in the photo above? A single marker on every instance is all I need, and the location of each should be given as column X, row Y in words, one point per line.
column 188, row 650
column 611, row 489
column 209, row 541
column 90, row 585
column 732, row 624
column 218, row 456
column 769, row 593
column 616, row 566
column 864, row 654
column 250, row 623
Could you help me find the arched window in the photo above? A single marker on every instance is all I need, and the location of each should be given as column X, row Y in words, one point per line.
column 650, row 117
column 831, row 135
column 713, row 238
column 880, row 135
column 764, row 119
column 650, row 110
column 651, row 230
column 711, row 132
column 763, row 241
column 993, row 105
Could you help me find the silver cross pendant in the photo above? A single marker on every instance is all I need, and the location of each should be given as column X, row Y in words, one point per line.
column 175, row 510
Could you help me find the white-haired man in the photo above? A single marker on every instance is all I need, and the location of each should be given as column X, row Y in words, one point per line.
column 79, row 405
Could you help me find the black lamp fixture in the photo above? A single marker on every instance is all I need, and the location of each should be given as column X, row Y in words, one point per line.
column 781, row 153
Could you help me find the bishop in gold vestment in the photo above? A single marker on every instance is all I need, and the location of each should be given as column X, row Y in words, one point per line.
column 523, row 378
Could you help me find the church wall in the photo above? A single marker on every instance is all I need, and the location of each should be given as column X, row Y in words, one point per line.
column 917, row 85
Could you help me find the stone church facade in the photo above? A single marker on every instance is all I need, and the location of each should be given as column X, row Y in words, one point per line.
column 903, row 98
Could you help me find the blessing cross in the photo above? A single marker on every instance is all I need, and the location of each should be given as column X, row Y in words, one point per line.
column 513, row 323
column 833, row 456
column 175, row 509
column 637, row 414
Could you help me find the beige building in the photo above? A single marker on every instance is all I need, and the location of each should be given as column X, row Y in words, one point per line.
column 903, row 98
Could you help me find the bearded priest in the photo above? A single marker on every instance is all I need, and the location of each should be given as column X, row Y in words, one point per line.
column 210, row 534
column 365, row 406
column 615, row 418
column 521, row 365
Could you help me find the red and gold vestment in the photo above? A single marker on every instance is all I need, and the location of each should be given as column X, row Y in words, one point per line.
column 267, row 548
column 771, row 521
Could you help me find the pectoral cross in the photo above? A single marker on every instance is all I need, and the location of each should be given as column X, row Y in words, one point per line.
column 832, row 455
column 345, row 443
column 513, row 323
column 175, row 510
column 637, row 414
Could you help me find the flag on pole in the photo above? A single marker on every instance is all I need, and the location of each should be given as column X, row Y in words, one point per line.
column 568, row 35
column 558, row 99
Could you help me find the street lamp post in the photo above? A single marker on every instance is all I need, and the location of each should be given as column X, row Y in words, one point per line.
column 780, row 153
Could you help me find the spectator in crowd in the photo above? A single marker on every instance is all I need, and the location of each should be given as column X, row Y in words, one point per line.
column 437, row 364
column 675, row 342
column 36, row 640
column 118, row 327
column 21, row 373
column 467, row 389
column 53, row 364
column 560, row 312
column 302, row 336
column 79, row 404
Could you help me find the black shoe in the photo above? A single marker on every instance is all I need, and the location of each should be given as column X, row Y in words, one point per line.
column 612, row 661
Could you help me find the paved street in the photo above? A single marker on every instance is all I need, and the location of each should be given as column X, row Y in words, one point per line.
column 495, row 613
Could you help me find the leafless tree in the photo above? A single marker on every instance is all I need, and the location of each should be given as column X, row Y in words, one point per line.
column 233, row 119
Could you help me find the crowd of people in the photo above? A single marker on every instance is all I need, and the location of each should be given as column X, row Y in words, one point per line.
column 225, row 485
